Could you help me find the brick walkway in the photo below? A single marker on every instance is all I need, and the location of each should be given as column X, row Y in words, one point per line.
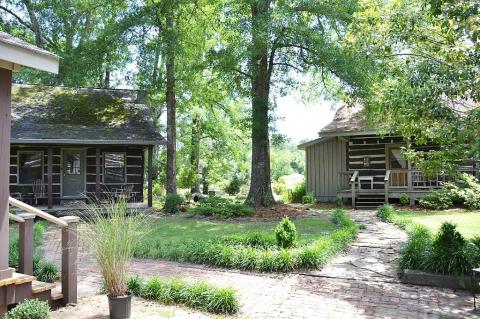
column 362, row 283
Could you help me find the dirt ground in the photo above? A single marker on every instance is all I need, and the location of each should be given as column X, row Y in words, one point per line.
column 96, row 307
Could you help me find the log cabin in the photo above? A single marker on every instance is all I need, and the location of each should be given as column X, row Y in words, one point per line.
column 353, row 163
column 72, row 144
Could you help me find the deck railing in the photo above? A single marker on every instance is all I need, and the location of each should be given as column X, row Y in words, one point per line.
column 68, row 227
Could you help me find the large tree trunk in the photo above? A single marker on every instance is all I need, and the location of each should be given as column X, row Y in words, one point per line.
column 260, row 193
column 171, row 184
column 195, row 153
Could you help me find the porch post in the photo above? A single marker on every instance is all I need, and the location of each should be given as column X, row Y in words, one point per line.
column 150, row 173
column 5, row 116
column 50, row 178
column 97, row 173
column 25, row 260
column 410, row 184
column 69, row 259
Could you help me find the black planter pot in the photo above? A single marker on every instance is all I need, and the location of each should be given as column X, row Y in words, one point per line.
column 120, row 307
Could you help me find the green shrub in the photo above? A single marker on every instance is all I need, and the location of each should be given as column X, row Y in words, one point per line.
column 415, row 252
column 172, row 203
column 135, row 285
column 286, row 233
column 339, row 201
column 449, row 253
column 30, row 309
column 308, row 199
column 217, row 206
column 233, row 187
column 340, row 219
column 404, row 199
column 158, row 190
column 437, row 199
column 296, row 195
column 198, row 295
column 465, row 190
column 46, row 271
column 385, row 212
column 255, row 239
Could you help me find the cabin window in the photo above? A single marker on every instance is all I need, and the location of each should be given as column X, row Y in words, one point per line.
column 396, row 159
column 114, row 168
column 30, row 167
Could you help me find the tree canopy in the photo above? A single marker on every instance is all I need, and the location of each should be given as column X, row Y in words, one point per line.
column 423, row 82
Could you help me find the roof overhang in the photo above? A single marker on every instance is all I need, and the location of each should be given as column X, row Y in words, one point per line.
column 347, row 133
column 13, row 56
column 87, row 142
column 313, row 142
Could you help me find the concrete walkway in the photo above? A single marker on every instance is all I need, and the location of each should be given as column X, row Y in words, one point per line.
column 361, row 283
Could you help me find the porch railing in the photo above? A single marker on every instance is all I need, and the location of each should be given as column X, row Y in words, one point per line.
column 386, row 183
column 68, row 227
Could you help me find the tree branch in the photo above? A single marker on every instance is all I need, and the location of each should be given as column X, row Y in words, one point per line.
column 288, row 65
column 27, row 25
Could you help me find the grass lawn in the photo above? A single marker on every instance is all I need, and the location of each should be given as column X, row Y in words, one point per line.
column 178, row 228
column 468, row 222
column 247, row 245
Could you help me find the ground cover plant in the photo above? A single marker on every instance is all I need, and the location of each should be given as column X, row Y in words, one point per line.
column 42, row 269
column 30, row 309
column 198, row 295
column 216, row 206
column 251, row 246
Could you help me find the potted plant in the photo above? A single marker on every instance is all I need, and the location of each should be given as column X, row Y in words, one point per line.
column 113, row 233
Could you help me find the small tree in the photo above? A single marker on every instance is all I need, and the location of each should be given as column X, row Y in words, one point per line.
column 286, row 233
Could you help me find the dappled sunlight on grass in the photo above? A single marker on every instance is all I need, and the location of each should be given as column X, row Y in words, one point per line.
column 468, row 222
column 178, row 228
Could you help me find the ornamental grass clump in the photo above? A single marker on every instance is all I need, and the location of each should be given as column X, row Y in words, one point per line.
column 113, row 233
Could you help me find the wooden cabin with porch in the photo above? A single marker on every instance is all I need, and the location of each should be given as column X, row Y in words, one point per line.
column 354, row 163
column 17, row 285
column 60, row 144
column 72, row 144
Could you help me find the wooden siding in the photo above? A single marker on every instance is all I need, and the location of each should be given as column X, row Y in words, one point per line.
column 324, row 162
column 374, row 148
column 134, row 170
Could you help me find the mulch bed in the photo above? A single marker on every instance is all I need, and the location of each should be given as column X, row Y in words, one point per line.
column 281, row 210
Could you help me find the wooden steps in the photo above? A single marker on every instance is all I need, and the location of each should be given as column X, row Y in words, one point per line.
column 21, row 287
column 369, row 201
column 39, row 286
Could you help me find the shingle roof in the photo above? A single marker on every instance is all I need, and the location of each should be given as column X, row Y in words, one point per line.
column 7, row 38
column 87, row 116
column 346, row 119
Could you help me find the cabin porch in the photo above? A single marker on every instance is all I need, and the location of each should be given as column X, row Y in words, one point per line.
column 370, row 191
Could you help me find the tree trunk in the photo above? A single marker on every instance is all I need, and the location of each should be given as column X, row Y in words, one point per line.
column 171, row 184
column 260, row 193
column 195, row 153
column 205, row 181
column 34, row 23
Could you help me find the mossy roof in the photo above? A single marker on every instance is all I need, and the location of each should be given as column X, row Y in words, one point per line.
column 80, row 116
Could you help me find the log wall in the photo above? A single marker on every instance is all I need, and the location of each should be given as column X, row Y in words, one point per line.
column 134, row 169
